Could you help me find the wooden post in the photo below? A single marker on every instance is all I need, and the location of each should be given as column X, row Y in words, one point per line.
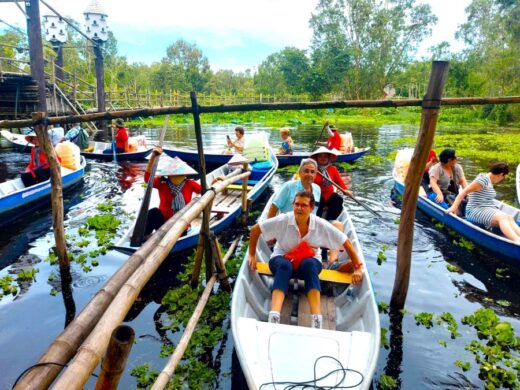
column 219, row 263
column 115, row 359
column 100, row 87
column 431, row 106
column 244, row 196
column 204, row 185
column 34, row 32
column 58, row 63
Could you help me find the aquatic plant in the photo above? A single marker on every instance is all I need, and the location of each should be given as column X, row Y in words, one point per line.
column 425, row 319
column 387, row 382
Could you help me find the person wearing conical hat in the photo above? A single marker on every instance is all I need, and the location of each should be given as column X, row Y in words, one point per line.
column 120, row 137
column 175, row 189
column 330, row 199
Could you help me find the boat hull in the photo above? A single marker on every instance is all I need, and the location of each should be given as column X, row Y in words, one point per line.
column 219, row 158
column 282, row 352
column 23, row 201
column 141, row 155
column 16, row 141
column 482, row 237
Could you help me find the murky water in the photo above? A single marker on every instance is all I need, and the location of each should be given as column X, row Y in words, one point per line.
column 30, row 322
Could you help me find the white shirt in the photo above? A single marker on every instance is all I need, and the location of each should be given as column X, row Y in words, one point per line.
column 56, row 134
column 283, row 227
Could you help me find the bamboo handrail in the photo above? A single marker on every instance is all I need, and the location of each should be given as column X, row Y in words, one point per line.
column 168, row 370
column 90, row 352
column 134, row 113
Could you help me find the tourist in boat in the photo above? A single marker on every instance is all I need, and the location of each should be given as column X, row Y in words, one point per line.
column 334, row 140
column 77, row 135
column 38, row 169
column 287, row 143
column 330, row 200
column 445, row 178
column 481, row 207
column 120, row 136
column 236, row 146
column 289, row 229
column 175, row 189
column 56, row 134
column 283, row 201
column 430, row 162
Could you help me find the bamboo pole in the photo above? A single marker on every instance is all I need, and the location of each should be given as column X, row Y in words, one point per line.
column 134, row 113
column 198, row 261
column 219, row 263
column 115, row 359
column 89, row 354
column 66, row 344
column 167, row 372
column 244, row 197
column 430, row 113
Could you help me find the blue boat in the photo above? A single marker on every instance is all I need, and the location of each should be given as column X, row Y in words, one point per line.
column 97, row 152
column 492, row 240
column 16, row 199
column 218, row 158
column 226, row 206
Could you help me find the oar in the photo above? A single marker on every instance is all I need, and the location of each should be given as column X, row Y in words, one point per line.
column 323, row 128
column 351, row 196
column 140, row 223
column 114, row 154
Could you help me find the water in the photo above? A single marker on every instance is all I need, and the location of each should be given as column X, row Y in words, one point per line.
column 31, row 321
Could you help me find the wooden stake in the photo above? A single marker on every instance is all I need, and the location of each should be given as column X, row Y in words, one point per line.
column 244, row 196
column 219, row 263
column 198, row 261
column 430, row 113
column 115, row 360
column 166, row 374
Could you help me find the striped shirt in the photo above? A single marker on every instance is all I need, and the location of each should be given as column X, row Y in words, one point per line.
column 481, row 204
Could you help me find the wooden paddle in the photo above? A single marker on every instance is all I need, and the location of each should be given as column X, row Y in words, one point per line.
column 319, row 137
column 114, row 153
column 140, row 223
column 351, row 196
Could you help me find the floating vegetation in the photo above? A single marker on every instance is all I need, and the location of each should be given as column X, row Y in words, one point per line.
column 453, row 268
column 464, row 243
column 383, row 307
column 384, row 338
column 8, row 286
column 425, row 319
column 501, row 273
column 443, row 343
column 387, row 382
column 381, row 257
column 448, row 319
column 27, row 274
column 465, row 366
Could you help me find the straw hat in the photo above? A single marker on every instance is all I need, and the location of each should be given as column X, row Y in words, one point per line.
column 174, row 167
column 334, row 153
column 237, row 159
column 30, row 137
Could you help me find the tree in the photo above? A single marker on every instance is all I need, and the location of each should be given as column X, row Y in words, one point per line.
column 269, row 79
column 367, row 41
column 189, row 58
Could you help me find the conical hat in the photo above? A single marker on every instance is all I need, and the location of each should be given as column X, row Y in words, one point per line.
column 169, row 166
column 323, row 149
column 237, row 159
column 29, row 137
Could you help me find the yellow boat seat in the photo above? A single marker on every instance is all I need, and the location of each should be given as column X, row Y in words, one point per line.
column 326, row 275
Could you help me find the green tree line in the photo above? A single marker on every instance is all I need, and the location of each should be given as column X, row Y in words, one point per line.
column 358, row 47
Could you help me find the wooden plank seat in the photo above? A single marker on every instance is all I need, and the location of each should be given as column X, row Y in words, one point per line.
column 326, row 275
column 237, row 187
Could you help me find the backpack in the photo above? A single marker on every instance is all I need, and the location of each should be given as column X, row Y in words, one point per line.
column 82, row 140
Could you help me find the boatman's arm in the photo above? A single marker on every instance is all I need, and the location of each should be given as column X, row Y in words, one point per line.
column 253, row 241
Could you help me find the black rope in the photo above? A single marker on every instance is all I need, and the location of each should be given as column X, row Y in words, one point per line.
column 41, row 365
column 313, row 383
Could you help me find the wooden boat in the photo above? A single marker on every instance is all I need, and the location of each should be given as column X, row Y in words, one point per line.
column 518, row 183
column 16, row 199
column 287, row 352
column 218, row 158
column 227, row 207
column 492, row 240
column 16, row 141
column 97, row 151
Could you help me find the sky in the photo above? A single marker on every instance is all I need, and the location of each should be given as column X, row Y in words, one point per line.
column 232, row 34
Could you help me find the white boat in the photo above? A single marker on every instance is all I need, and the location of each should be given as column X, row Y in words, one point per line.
column 272, row 355
column 16, row 141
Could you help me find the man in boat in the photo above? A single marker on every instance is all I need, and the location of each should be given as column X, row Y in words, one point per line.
column 300, row 234
column 38, row 169
column 175, row 189
column 120, row 137
column 56, row 134
column 236, row 146
column 283, row 201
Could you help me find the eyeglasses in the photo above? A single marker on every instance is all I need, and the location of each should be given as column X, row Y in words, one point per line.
column 301, row 205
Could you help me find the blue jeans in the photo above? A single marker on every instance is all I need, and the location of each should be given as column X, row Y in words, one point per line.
column 432, row 195
column 308, row 271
